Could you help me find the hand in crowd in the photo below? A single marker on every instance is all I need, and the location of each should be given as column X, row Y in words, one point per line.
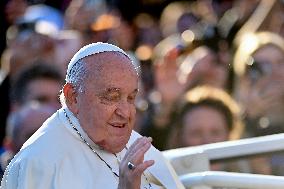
column 30, row 48
column 80, row 14
column 166, row 77
column 267, row 93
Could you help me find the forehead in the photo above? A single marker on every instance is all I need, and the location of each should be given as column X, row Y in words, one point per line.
column 39, row 86
column 197, row 114
column 106, row 60
column 110, row 69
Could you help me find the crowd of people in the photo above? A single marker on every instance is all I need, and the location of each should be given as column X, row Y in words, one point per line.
column 210, row 71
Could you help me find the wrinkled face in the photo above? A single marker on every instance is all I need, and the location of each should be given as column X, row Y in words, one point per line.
column 203, row 125
column 105, row 107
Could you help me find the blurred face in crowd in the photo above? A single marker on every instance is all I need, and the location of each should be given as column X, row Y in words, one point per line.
column 28, row 47
column 203, row 125
column 44, row 91
column 32, row 117
column 262, row 87
column 105, row 108
column 268, row 60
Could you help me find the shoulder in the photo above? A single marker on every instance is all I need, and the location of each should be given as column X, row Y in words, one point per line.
column 51, row 142
column 27, row 172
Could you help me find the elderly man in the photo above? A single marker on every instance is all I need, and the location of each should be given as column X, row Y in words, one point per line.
column 89, row 143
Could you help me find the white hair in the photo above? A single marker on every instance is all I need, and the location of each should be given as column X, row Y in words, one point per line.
column 75, row 76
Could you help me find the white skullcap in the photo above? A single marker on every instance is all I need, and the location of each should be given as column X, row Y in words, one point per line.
column 93, row 48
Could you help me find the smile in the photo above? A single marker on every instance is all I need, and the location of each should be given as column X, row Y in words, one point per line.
column 118, row 125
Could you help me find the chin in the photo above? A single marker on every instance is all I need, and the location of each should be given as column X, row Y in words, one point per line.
column 119, row 146
column 115, row 146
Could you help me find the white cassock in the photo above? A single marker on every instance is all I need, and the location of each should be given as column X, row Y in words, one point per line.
column 55, row 157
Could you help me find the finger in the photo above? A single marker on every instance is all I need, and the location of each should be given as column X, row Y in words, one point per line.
column 137, row 145
column 139, row 155
column 130, row 154
column 144, row 146
column 132, row 147
column 142, row 167
column 140, row 143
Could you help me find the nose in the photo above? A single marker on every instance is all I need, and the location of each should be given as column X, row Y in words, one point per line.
column 123, row 109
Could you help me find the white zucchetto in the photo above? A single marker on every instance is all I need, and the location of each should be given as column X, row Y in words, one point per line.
column 93, row 48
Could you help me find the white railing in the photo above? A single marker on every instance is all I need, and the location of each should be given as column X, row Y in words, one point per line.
column 192, row 163
column 221, row 179
column 196, row 159
column 231, row 149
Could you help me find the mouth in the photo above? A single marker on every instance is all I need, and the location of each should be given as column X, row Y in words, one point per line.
column 118, row 125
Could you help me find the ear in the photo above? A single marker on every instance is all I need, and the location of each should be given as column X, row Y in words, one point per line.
column 71, row 98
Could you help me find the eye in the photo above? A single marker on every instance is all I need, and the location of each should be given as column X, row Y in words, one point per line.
column 110, row 97
column 114, row 96
column 131, row 98
column 42, row 99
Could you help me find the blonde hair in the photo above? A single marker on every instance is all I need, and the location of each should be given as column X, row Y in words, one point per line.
column 201, row 93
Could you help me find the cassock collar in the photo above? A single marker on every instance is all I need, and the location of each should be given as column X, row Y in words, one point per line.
column 76, row 123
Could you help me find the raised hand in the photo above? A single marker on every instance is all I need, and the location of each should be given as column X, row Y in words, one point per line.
column 133, row 165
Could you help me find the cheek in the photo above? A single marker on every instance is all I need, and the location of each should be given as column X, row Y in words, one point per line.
column 102, row 113
column 93, row 113
column 192, row 140
column 189, row 137
column 133, row 113
column 221, row 135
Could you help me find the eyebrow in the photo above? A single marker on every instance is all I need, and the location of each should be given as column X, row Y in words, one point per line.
column 115, row 89
column 112, row 89
column 136, row 90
